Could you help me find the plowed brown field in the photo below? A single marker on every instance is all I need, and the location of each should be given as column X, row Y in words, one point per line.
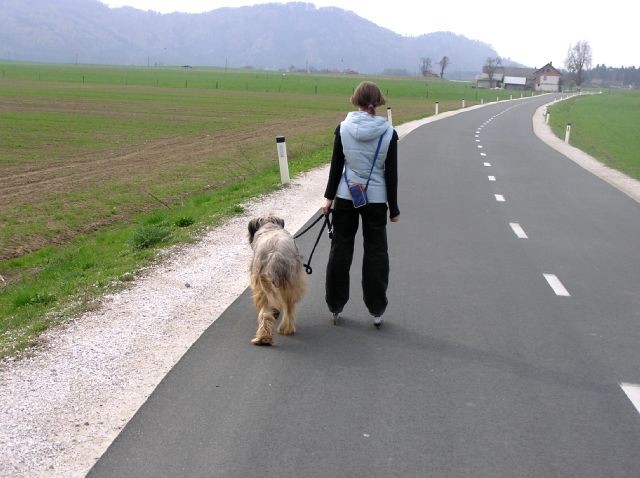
column 50, row 192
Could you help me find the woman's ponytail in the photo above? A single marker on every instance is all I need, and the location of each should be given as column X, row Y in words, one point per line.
column 368, row 97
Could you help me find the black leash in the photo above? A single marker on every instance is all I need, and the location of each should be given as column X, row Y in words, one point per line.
column 329, row 227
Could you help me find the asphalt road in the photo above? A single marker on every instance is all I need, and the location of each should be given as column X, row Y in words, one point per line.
column 480, row 370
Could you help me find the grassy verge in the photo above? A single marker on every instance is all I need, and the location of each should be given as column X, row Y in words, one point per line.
column 58, row 282
column 604, row 126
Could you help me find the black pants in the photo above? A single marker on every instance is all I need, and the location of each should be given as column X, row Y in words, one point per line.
column 375, row 262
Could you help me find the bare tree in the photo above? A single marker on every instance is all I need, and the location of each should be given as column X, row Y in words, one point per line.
column 491, row 66
column 444, row 63
column 425, row 66
column 578, row 60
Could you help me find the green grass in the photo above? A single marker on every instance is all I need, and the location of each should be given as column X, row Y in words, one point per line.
column 604, row 126
column 203, row 78
column 58, row 282
column 91, row 236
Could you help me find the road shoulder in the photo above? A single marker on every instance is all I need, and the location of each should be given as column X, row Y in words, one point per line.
column 620, row 181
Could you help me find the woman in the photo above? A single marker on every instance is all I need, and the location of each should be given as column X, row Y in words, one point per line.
column 365, row 152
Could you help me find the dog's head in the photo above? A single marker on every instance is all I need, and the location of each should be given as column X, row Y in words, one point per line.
column 258, row 222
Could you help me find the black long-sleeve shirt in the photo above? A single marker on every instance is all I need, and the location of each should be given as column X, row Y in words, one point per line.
column 390, row 172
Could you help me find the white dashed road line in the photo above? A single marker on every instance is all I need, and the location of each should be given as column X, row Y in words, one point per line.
column 552, row 279
column 518, row 231
column 556, row 285
column 633, row 393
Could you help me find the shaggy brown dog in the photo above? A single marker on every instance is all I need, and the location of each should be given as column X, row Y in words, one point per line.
column 277, row 277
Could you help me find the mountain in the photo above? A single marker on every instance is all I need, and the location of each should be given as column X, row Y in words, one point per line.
column 268, row 36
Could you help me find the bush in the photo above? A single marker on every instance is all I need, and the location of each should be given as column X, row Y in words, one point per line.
column 149, row 236
column 184, row 221
column 25, row 298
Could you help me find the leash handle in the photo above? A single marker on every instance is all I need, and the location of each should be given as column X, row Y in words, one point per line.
column 326, row 223
column 329, row 224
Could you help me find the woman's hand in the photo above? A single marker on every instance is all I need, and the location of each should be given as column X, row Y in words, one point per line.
column 327, row 206
column 395, row 218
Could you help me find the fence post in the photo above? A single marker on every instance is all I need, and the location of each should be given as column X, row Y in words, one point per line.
column 389, row 116
column 567, row 134
column 437, row 107
column 282, row 160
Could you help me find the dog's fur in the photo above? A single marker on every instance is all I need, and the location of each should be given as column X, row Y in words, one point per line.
column 277, row 277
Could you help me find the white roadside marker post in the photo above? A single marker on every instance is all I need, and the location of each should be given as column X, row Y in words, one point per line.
column 389, row 116
column 282, row 159
column 437, row 107
column 567, row 134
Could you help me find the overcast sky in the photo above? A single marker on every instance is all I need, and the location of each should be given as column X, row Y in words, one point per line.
column 526, row 32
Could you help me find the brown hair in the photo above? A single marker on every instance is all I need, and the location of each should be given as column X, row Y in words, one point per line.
column 368, row 96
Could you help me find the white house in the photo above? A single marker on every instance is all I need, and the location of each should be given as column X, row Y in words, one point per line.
column 547, row 78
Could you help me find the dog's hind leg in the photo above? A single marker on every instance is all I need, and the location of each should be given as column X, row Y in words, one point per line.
column 288, row 324
column 266, row 324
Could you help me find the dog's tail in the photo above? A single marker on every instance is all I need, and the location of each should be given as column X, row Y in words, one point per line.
column 266, row 282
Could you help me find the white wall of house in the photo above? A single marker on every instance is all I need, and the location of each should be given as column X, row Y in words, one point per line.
column 548, row 83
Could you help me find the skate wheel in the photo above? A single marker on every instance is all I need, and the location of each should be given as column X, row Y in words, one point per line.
column 335, row 319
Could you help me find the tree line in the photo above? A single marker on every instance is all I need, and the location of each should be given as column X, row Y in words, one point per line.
column 610, row 76
column 578, row 64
